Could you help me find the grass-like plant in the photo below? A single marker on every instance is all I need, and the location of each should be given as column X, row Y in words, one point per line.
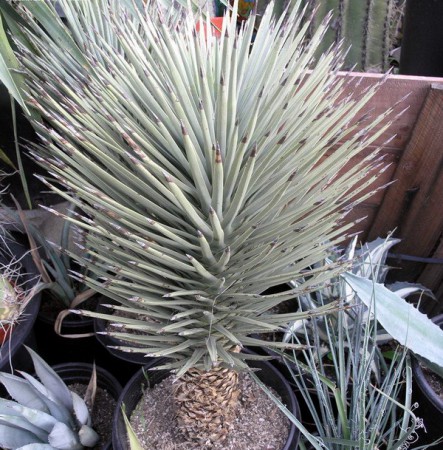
column 353, row 375
column 207, row 170
column 358, row 396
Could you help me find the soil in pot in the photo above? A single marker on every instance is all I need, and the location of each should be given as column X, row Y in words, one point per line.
column 255, row 405
column 77, row 376
column 434, row 381
column 260, row 425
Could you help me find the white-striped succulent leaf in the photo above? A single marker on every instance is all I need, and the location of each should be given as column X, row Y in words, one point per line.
column 405, row 323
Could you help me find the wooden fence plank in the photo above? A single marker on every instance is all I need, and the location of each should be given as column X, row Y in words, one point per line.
column 413, row 204
column 391, row 91
column 432, row 278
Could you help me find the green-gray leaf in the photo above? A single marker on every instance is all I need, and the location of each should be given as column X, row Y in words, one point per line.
column 400, row 319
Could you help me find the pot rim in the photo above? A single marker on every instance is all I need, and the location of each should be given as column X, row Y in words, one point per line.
column 421, row 379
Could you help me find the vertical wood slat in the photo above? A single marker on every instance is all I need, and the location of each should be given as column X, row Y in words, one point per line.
column 414, row 203
column 432, row 278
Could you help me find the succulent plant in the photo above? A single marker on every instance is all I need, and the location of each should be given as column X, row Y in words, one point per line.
column 15, row 291
column 370, row 28
column 200, row 168
column 364, row 285
column 13, row 297
column 43, row 414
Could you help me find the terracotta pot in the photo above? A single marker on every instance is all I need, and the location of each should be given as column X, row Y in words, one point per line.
column 132, row 393
column 217, row 23
column 430, row 404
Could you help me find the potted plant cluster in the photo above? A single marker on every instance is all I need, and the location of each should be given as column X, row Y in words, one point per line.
column 353, row 376
column 197, row 166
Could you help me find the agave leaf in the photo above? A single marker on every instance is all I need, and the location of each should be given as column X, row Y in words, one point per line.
column 375, row 254
column 21, row 423
column 80, row 409
column 35, row 417
column 54, row 408
column 62, row 437
column 51, row 380
column 404, row 289
column 36, row 447
column 88, row 437
column 21, row 391
column 400, row 319
column 11, row 437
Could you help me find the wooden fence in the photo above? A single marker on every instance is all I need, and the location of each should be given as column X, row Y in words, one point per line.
column 413, row 204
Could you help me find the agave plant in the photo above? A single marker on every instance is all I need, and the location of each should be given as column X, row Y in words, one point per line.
column 365, row 284
column 44, row 414
column 199, row 165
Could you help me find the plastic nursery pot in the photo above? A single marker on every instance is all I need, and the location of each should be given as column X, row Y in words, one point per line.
column 57, row 349
column 12, row 353
column 72, row 373
column 430, row 404
column 132, row 394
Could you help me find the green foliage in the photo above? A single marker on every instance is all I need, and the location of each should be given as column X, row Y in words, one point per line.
column 365, row 284
column 199, row 165
column 370, row 28
column 356, row 398
column 45, row 413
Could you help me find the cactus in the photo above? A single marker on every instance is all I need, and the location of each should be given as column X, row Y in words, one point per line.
column 14, row 295
column 45, row 413
column 368, row 27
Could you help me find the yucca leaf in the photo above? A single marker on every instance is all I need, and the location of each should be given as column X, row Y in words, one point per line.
column 207, row 169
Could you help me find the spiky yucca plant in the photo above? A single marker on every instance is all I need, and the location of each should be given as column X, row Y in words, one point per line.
column 200, row 167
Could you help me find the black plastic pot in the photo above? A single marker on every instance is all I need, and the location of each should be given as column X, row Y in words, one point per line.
column 80, row 373
column 57, row 349
column 12, row 353
column 132, row 393
column 430, row 405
